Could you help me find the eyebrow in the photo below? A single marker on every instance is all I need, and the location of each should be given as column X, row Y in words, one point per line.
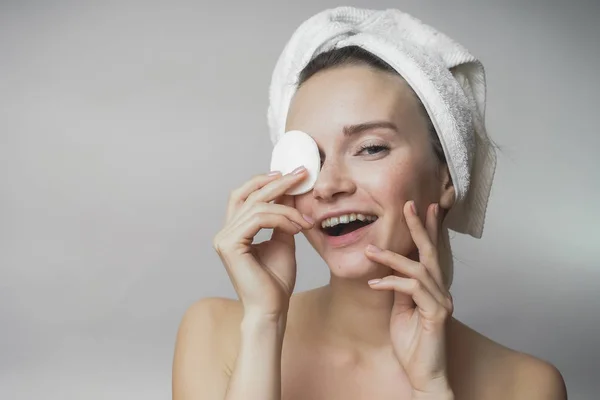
column 350, row 130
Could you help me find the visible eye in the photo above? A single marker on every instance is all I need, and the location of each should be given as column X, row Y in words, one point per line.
column 372, row 149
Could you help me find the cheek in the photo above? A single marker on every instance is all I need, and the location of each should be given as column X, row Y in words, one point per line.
column 388, row 184
column 409, row 176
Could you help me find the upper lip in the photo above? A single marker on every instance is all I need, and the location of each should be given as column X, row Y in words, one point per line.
column 337, row 213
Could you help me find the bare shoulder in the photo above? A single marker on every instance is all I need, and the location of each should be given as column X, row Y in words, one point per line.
column 537, row 379
column 502, row 372
column 219, row 318
column 215, row 313
column 206, row 347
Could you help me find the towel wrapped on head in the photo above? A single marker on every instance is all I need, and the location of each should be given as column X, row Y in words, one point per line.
column 449, row 81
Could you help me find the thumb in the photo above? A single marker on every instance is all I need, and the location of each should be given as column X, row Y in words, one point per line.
column 278, row 235
column 402, row 303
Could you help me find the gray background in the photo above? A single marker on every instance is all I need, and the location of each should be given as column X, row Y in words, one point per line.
column 124, row 125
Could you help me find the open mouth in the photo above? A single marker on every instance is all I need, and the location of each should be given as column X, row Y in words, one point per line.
column 335, row 227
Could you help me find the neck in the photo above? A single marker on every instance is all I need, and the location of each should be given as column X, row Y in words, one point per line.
column 355, row 315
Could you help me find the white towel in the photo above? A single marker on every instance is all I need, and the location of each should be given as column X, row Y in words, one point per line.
column 447, row 78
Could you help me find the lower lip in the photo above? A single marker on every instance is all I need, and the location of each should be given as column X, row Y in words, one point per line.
column 349, row 238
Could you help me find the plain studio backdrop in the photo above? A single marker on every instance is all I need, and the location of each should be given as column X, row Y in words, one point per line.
column 125, row 125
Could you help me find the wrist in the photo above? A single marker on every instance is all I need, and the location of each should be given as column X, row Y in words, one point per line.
column 257, row 322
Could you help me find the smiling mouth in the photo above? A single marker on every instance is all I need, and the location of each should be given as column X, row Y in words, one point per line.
column 344, row 229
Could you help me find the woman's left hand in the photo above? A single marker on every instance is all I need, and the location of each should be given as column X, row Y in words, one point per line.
column 422, row 307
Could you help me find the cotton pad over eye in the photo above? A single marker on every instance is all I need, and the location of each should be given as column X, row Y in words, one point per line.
column 296, row 148
column 445, row 76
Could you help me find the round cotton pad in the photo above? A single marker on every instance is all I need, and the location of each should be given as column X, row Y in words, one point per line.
column 296, row 148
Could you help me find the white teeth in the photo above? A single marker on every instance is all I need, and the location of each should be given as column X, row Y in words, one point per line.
column 344, row 219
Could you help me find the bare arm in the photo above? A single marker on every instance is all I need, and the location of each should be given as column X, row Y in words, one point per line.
column 263, row 275
column 257, row 372
column 199, row 368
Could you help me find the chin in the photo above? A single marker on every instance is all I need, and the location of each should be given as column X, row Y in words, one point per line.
column 352, row 265
column 345, row 255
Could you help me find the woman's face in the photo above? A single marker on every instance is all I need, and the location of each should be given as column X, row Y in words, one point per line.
column 376, row 155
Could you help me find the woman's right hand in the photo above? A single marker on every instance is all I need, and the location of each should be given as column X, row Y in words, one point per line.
column 264, row 274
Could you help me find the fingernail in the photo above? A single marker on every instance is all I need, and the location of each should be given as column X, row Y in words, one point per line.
column 436, row 210
column 273, row 173
column 374, row 281
column 308, row 219
column 414, row 208
column 373, row 249
column 298, row 170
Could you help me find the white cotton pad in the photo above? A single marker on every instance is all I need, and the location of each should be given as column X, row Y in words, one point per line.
column 296, row 148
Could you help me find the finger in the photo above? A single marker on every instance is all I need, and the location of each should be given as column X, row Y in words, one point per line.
column 423, row 299
column 407, row 267
column 248, row 228
column 432, row 224
column 237, row 237
column 292, row 214
column 278, row 235
column 428, row 252
column 283, row 236
column 286, row 200
column 278, row 187
column 240, row 195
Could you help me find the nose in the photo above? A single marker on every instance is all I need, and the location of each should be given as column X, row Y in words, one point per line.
column 334, row 181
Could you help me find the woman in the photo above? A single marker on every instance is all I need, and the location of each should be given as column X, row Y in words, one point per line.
column 383, row 327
